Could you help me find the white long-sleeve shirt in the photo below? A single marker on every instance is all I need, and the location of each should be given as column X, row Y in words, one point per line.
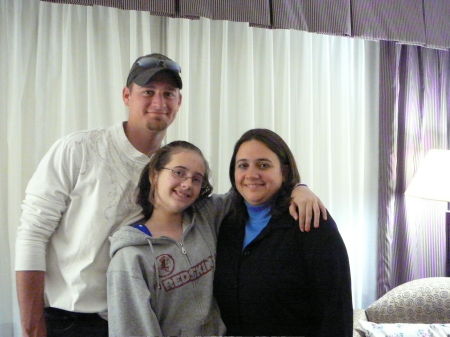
column 82, row 191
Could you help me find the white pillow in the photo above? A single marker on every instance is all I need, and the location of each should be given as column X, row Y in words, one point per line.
column 405, row 330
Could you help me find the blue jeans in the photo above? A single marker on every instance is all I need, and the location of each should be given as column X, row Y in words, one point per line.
column 61, row 323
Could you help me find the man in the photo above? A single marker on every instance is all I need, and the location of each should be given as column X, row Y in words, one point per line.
column 82, row 191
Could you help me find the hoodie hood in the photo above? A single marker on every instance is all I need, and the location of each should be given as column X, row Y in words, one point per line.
column 127, row 236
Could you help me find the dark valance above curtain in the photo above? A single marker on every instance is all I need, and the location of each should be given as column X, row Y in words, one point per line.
column 424, row 23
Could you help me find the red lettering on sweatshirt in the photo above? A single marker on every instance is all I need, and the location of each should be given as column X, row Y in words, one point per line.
column 186, row 276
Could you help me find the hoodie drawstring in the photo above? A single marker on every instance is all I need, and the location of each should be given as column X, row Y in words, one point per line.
column 155, row 265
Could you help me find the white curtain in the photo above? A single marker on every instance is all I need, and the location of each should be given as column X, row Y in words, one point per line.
column 63, row 68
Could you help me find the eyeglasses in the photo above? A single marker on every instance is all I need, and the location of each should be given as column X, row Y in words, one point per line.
column 154, row 62
column 182, row 175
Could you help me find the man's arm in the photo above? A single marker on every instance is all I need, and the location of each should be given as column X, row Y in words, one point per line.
column 45, row 201
column 30, row 294
column 304, row 205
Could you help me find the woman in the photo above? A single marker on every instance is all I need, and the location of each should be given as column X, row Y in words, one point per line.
column 271, row 278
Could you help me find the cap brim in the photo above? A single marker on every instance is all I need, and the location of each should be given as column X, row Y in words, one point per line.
column 146, row 76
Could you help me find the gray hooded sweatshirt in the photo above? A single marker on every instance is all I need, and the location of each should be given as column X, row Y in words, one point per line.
column 161, row 287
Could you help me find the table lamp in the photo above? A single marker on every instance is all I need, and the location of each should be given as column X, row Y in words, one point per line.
column 432, row 181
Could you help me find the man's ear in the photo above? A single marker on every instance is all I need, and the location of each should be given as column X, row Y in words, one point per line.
column 181, row 98
column 126, row 92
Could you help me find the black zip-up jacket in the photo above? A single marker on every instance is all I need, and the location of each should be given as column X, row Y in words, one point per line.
column 285, row 282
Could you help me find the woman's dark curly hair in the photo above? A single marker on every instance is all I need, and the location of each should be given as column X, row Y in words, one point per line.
column 289, row 169
column 146, row 193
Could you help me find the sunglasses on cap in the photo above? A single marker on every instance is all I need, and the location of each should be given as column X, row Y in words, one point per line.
column 153, row 62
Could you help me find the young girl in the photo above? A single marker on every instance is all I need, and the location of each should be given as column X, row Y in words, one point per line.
column 161, row 274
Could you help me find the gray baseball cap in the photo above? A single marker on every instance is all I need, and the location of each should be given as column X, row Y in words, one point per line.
column 145, row 67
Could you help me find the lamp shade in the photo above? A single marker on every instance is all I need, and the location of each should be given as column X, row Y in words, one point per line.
column 432, row 180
